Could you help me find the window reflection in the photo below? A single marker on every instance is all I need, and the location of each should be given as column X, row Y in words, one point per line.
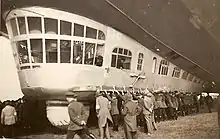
column 36, row 51
column 91, row 32
column 21, row 24
column 65, row 49
column 22, row 51
column 34, row 24
column 65, row 28
column 99, row 54
column 14, row 27
column 51, row 51
column 77, row 52
column 78, row 30
column 123, row 62
column 101, row 35
column 51, row 26
column 89, row 53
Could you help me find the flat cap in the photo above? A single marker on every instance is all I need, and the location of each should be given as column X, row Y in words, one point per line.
column 71, row 94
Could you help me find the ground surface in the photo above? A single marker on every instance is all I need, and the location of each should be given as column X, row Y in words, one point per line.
column 201, row 126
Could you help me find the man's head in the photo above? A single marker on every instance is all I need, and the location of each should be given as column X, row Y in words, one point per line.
column 71, row 96
column 128, row 97
column 98, row 93
column 7, row 102
column 114, row 96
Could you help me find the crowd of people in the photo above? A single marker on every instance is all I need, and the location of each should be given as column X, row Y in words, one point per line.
column 18, row 117
column 112, row 108
column 133, row 110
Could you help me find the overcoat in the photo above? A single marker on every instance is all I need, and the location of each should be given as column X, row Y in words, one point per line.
column 103, row 106
column 169, row 101
column 175, row 102
column 130, row 111
column 164, row 105
column 77, row 113
column 114, row 105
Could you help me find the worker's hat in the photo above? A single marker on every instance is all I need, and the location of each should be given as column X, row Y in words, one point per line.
column 71, row 94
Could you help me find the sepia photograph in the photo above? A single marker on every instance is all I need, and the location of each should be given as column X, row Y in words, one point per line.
column 109, row 69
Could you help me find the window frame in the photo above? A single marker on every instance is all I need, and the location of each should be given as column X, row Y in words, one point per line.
column 154, row 66
column 117, row 54
column 87, row 35
column 185, row 75
column 44, row 32
column 164, row 67
column 142, row 61
column 42, row 27
column 19, row 26
column 31, row 50
column 176, row 72
column 57, row 26
column 190, row 77
column 62, row 23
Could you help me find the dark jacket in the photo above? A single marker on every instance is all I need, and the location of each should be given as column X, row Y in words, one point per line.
column 168, row 101
column 114, row 105
column 208, row 100
column 77, row 113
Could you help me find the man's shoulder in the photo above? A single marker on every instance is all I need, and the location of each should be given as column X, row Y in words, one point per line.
column 102, row 98
column 130, row 103
column 75, row 104
column 8, row 107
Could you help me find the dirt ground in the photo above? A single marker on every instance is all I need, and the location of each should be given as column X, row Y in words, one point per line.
column 201, row 126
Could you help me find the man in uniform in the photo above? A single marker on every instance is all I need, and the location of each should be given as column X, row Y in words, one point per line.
column 130, row 111
column 148, row 112
column 154, row 108
column 170, row 106
column 78, row 117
